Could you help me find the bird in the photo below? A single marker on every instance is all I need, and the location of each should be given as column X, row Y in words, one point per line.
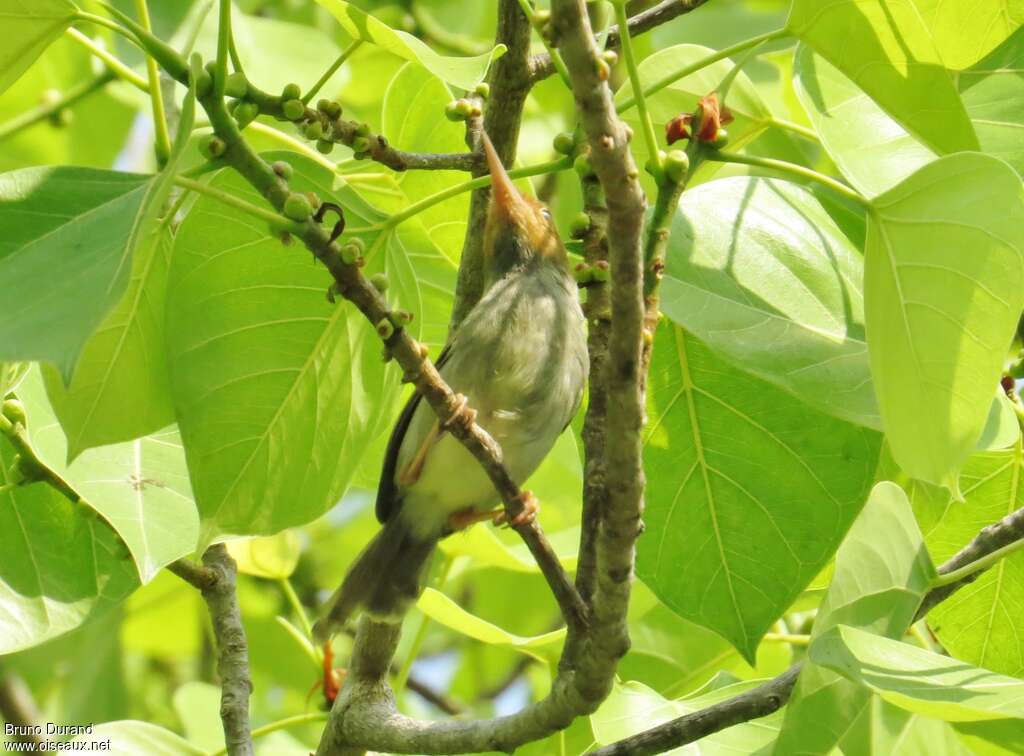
column 519, row 361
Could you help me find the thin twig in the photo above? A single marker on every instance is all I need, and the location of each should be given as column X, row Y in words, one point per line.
column 542, row 66
column 19, row 710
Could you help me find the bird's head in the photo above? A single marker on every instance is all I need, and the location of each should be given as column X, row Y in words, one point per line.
column 519, row 229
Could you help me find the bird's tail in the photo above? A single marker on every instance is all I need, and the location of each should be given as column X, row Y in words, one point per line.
column 384, row 579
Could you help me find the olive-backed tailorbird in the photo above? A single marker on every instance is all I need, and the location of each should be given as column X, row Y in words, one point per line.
column 520, row 360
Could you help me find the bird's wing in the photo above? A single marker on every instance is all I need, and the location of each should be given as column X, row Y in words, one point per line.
column 388, row 498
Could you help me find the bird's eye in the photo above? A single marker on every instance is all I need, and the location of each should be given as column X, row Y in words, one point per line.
column 546, row 213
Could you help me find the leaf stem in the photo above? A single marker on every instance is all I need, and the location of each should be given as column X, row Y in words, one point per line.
column 232, row 201
column 703, row 63
column 92, row 18
column 281, row 724
column 115, row 64
column 790, row 638
column 561, row 164
column 66, row 100
column 223, row 47
column 622, row 19
column 794, row 169
column 163, row 134
column 797, row 128
column 979, row 564
column 297, row 608
column 333, row 69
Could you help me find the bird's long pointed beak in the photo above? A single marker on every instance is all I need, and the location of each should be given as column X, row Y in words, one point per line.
column 504, row 193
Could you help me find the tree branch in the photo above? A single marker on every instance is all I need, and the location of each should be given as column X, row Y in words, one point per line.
column 18, row 708
column 773, row 695
column 232, row 650
column 541, row 66
column 509, row 80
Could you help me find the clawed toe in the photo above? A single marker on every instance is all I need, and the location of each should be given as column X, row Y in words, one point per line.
column 462, row 414
column 531, row 506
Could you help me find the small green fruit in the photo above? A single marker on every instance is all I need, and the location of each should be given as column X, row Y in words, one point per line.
column 465, row 108
column 451, row 111
column 297, row 207
column 602, row 69
column 541, row 17
column 293, row 109
column 360, row 145
column 236, row 85
column 401, row 318
column 579, row 225
column 283, row 169
column 380, row 282
column 363, row 130
column 610, row 57
column 601, row 272
column 212, row 147
column 582, row 166
column 583, row 273
column 564, row 144
column 323, row 105
column 314, row 200
column 677, row 165
column 314, row 130
column 246, row 113
column 333, row 110
column 351, row 253
column 721, row 139
column 14, row 411
column 324, row 146
column 359, row 245
column 483, row 89
column 291, row 92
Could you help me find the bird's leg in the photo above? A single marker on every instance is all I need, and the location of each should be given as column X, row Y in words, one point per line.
column 531, row 506
column 465, row 517
column 462, row 414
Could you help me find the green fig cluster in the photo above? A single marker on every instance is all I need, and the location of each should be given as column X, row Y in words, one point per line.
column 212, row 147
column 298, row 207
column 564, row 143
column 462, row 110
column 329, row 108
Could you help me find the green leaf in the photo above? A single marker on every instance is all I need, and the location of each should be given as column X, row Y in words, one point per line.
column 993, row 92
column 874, row 152
column 964, row 32
column 681, row 96
column 197, row 705
column 943, row 282
column 482, row 545
column 882, row 572
column 979, row 625
column 129, row 738
column 749, row 491
column 758, row 270
column 63, row 564
column 273, row 557
column 871, row 149
column 444, row 611
column 462, row 72
column 894, row 61
column 120, row 389
column 81, row 222
column 276, row 390
column 140, row 487
column 917, row 680
column 886, row 729
column 633, row 708
column 29, row 28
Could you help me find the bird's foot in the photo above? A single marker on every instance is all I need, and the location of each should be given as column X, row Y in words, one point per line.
column 531, row 506
column 462, row 414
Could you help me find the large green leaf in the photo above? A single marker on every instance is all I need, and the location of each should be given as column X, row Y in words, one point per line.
column 29, row 28
column 633, row 708
column 140, row 487
column 944, row 288
column 119, row 390
column 966, row 32
column 993, row 92
column 875, row 153
column 885, row 47
column 918, row 680
column 130, row 738
column 62, row 563
column 882, row 572
column 759, row 271
column 749, row 493
column 80, row 222
column 871, row 149
column 980, row 624
column 276, row 390
column 462, row 72
column 887, row 729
